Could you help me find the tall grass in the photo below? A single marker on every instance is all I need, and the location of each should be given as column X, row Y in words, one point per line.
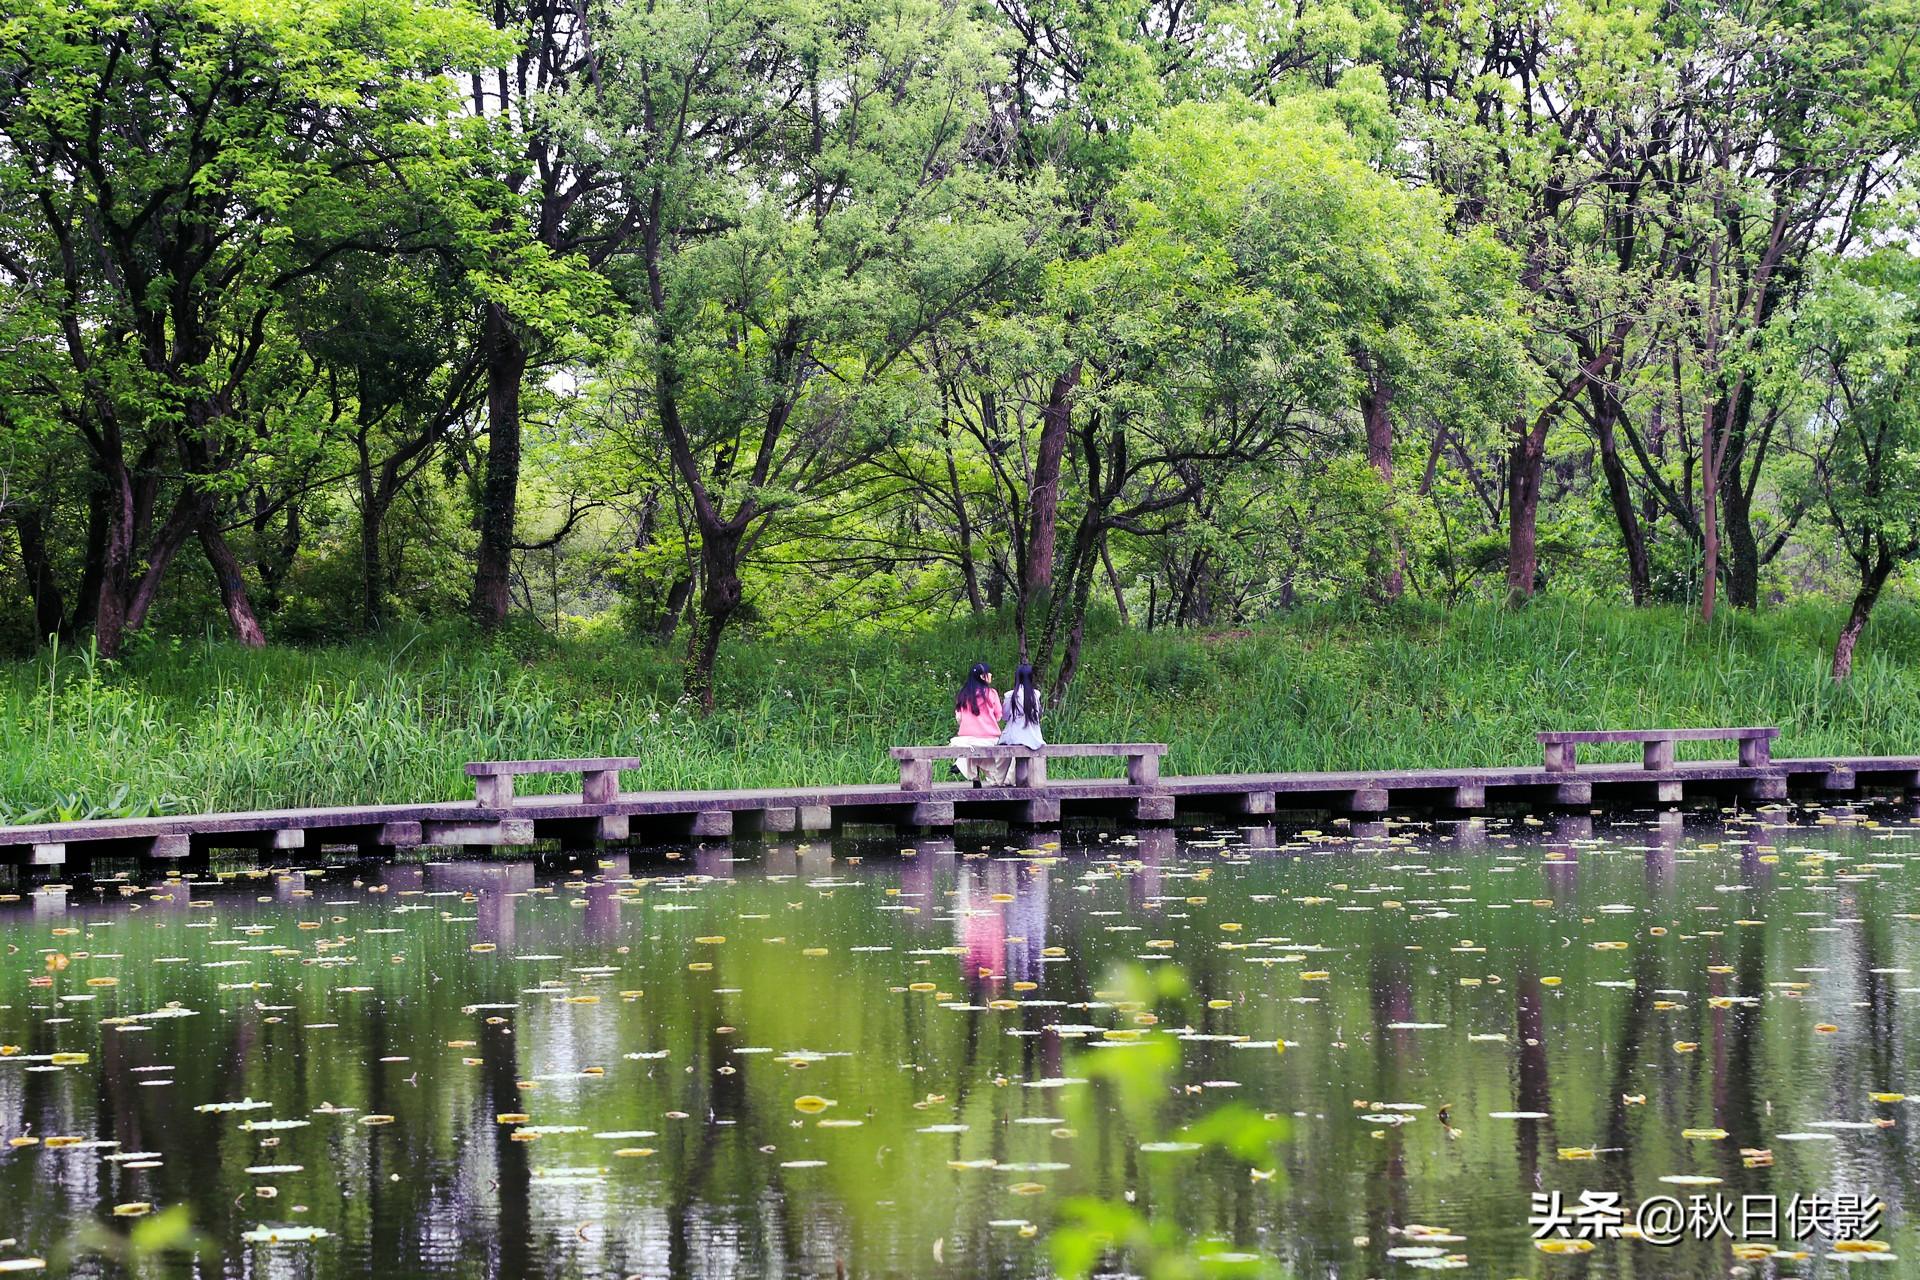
column 184, row 725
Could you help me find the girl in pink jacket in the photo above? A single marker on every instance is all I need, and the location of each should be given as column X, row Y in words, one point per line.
column 976, row 714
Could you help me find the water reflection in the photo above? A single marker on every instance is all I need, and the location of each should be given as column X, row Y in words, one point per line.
column 1566, row 985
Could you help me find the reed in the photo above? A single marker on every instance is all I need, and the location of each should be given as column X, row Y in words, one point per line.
column 198, row 725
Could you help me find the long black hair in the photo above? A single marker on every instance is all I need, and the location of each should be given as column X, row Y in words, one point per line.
column 973, row 694
column 1023, row 699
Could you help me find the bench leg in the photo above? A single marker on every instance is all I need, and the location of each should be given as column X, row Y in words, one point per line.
column 602, row 786
column 1657, row 755
column 1561, row 757
column 1756, row 753
column 1143, row 771
column 1030, row 771
column 494, row 791
column 916, row 775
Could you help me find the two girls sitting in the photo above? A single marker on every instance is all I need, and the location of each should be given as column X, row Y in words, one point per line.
column 979, row 713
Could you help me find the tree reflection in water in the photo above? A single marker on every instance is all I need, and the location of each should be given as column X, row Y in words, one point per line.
column 655, row 1019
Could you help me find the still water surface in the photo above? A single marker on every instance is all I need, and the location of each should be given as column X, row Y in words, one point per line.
column 645, row 1026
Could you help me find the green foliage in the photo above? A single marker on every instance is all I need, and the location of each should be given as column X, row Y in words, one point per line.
column 833, row 311
column 206, row 725
column 1863, row 329
column 152, row 1240
column 1138, row 1077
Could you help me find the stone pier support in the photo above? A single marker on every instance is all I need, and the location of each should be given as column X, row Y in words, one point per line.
column 1367, row 800
column 1155, row 809
column 1040, row 813
column 1469, row 797
column 712, row 824
column 931, row 814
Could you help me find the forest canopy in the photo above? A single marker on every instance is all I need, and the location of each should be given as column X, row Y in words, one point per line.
column 698, row 319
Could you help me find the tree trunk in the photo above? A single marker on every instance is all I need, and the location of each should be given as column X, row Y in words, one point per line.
column 233, row 586
column 1710, row 565
column 273, row 559
column 1620, row 494
column 677, row 596
column 1069, row 615
column 49, row 608
column 110, row 622
column 1375, row 410
column 1525, row 468
column 1526, row 461
column 719, row 598
column 1734, row 508
column 1070, row 660
column 1200, row 612
column 1044, row 500
column 1709, row 513
column 1066, row 618
column 499, row 499
column 1872, row 579
column 373, row 563
column 1716, row 425
column 87, row 601
column 1113, row 580
column 179, row 526
column 1743, row 549
column 969, row 572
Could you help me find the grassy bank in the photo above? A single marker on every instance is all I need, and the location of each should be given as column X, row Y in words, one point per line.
column 197, row 725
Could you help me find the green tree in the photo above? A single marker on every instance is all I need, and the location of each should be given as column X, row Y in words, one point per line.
column 1665, row 172
column 806, row 209
column 1801, row 117
column 1260, row 251
column 1858, row 346
column 168, row 172
column 396, row 357
column 534, row 252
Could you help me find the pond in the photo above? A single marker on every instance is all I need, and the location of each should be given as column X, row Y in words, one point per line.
column 1351, row 1051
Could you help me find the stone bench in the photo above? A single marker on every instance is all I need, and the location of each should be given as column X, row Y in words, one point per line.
column 493, row 779
column 1029, row 766
column 1756, row 744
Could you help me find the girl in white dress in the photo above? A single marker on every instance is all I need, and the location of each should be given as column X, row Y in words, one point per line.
column 1023, row 712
